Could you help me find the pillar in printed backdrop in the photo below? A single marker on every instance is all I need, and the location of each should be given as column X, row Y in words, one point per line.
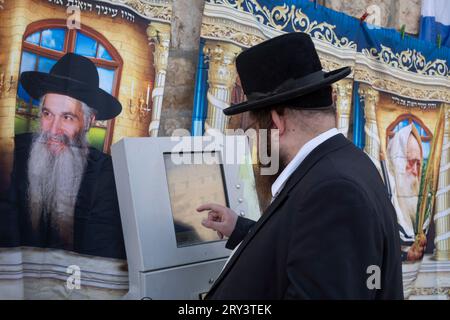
column 159, row 36
column 221, row 79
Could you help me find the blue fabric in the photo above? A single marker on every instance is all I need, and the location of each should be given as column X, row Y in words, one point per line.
column 359, row 137
column 345, row 26
column 200, row 95
column 363, row 35
column 377, row 37
column 430, row 29
column 435, row 21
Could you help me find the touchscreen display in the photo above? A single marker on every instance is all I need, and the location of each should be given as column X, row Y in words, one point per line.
column 191, row 185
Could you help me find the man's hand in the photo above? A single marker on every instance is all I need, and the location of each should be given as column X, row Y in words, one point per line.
column 220, row 219
column 417, row 250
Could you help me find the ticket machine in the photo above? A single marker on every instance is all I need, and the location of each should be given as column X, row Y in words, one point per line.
column 160, row 183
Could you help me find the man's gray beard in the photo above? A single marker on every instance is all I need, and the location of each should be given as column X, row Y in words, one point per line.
column 408, row 191
column 54, row 181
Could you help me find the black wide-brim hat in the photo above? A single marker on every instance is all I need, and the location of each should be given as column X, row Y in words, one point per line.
column 77, row 77
column 284, row 69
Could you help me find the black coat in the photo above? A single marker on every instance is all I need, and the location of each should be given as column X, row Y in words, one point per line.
column 316, row 240
column 97, row 226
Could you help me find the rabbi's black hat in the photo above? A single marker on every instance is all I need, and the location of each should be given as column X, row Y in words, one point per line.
column 77, row 77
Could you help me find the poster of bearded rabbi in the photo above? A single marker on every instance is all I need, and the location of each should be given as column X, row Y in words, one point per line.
column 410, row 135
column 78, row 80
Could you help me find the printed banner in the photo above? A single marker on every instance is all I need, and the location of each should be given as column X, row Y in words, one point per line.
column 394, row 105
column 75, row 77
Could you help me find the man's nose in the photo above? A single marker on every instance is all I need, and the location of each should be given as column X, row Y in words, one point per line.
column 55, row 127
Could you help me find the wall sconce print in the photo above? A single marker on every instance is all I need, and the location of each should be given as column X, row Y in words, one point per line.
column 141, row 108
column 6, row 85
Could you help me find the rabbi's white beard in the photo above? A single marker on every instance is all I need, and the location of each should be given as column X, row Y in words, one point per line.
column 407, row 194
column 54, row 181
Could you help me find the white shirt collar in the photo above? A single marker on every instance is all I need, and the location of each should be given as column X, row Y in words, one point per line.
column 304, row 151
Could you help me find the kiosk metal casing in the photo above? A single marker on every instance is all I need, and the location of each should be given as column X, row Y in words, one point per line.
column 159, row 267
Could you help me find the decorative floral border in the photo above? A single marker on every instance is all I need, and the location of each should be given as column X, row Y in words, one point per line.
column 408, row 60
column 284, row 17
column 280, row 17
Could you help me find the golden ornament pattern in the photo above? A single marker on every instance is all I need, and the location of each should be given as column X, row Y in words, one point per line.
column 389, row 83
column 153, row 9
column 231, row 34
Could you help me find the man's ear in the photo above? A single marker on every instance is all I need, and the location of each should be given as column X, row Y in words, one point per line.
column 92, row 120
column 279, row 122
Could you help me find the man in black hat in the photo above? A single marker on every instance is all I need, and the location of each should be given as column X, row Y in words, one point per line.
column 330, row 231
column 63, row 193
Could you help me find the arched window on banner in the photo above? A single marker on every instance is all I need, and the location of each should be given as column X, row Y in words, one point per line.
column 44, row 43
column 405, row 120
